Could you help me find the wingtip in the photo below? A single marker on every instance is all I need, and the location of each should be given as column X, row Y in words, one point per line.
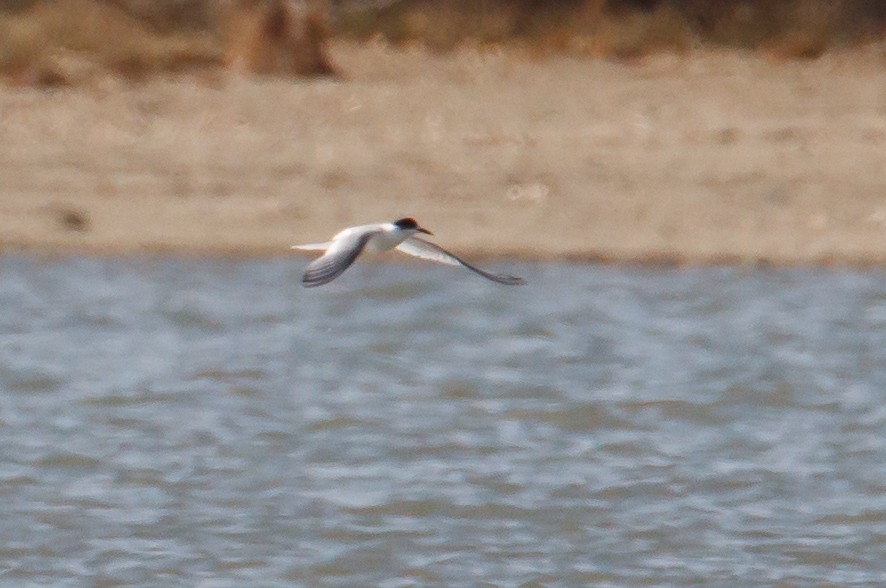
column 506, row 279
column 312, row 281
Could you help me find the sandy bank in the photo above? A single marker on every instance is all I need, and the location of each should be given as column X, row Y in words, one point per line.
column 700, row 158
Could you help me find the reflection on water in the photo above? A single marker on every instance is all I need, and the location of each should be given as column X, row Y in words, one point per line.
column 195, row 422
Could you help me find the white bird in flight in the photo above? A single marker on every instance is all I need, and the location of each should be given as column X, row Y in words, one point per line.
column 347, row 245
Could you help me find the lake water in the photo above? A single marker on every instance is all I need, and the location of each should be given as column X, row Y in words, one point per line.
column 170, row 422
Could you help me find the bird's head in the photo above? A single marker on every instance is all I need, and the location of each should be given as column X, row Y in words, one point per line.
column 409, row 224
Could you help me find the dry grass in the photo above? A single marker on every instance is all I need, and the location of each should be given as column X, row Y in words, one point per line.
column 626, row 28
column 275, row 38
column 637, row 33
column 57, row 42
column 70, row 41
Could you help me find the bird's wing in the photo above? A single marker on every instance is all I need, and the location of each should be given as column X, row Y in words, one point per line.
column 313, row 246
column 338, row 257
column 427, row 250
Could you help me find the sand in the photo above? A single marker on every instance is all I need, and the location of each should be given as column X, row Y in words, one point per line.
column 708, row 157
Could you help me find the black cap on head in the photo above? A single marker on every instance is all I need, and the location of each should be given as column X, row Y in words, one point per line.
column 410, row 224
column 406, row 223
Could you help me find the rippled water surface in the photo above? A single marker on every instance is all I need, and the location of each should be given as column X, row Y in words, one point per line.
column 212, row 423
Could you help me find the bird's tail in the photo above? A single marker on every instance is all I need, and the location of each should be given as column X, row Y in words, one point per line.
column 312, row 246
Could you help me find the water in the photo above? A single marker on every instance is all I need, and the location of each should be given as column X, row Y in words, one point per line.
column 211, row 423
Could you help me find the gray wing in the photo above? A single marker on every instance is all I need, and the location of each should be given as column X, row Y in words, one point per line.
column 427, row 250
column 339, row 257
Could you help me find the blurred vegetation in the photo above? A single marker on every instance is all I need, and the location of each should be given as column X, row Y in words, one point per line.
column 59, row 41
column 622, row 28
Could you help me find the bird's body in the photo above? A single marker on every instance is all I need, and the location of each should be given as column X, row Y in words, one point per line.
column 348, row 244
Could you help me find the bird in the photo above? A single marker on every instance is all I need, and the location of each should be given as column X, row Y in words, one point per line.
column 348, row 244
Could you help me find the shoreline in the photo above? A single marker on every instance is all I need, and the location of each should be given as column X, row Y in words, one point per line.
column 653, row 260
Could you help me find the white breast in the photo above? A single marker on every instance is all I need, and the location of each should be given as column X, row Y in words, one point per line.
column 385, row 240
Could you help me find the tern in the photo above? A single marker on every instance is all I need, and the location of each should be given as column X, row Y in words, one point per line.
column 348, row 244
